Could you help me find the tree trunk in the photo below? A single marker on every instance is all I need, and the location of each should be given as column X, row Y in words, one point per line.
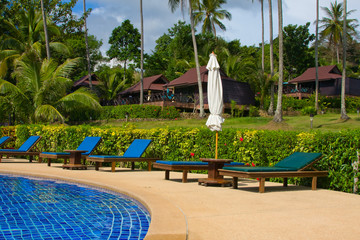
column 142, row 56
column 278, row 112
column 343, row 79
column 87, row 47
column 262, row 38
column 45, row 30
column 124, row 70
column 337, row 53
column 201, row 95
column 316, row 58
column 272, row 91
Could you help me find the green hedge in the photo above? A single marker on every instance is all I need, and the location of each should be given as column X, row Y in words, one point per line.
column 262, row 147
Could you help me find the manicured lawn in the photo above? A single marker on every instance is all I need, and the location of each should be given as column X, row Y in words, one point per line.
column 326, row 122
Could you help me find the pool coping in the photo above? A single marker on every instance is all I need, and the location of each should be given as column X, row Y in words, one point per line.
column 162, row 227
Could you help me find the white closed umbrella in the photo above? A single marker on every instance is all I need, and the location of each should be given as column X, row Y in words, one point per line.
column 215, row 97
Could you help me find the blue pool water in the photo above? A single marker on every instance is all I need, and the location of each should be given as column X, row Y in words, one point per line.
column 48, row 209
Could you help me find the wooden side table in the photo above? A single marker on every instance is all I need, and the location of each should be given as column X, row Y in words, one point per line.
column 75, row 160
column 213, row 172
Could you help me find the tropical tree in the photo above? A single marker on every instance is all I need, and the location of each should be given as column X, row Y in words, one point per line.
column 272, row 87
column 278, row 112
column 87, row 45
column 316, row 57
column 110, row 88
column 343, row 79
column 125, row 43
column 25, row 38
column 332, row 27
column 41, row 89
column 142, row 55
column 45, row 30
column 208, row 13
column 173, row 5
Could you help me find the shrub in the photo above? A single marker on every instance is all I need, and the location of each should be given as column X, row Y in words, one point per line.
column 308, row 110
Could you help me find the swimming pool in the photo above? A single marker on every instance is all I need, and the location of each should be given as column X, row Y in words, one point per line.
column 49, row 209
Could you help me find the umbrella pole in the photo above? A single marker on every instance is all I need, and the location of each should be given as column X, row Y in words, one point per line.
column 216, row 144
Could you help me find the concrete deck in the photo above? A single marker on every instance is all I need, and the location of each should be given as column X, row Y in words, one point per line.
column 189, row 211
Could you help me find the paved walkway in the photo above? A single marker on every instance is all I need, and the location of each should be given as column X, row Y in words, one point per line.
column 189, row 211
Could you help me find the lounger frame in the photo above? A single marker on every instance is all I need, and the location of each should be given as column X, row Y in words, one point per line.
column 184, row 168
column 27, row 153
column 99, row 160
column 303, row 172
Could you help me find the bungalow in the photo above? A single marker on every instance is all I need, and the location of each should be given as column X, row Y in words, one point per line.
column 153, row 91
column 329, row 83
column 183, row 92
column 84, row 82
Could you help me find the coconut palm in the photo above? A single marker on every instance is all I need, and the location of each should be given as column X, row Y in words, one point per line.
column 24, row 39
column 174, row 4
column 316, row 58
column 343, row 79
column 272, row 87
column 278, row 112
column 332, row 26
column 41, row 90
column 45, row 30
column 142, row 55
column 209, row 14
column 87, row 45
column 110, row 87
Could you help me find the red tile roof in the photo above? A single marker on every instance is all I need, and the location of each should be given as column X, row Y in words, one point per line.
column 149, row 83
column 84, row 81
column 190, row 77
column 325, row 73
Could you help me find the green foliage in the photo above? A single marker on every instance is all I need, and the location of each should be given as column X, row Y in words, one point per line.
column 261, row 147
column 253, row 111
column 308, row 110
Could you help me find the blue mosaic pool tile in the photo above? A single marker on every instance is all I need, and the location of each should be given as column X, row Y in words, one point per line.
column 46, row 209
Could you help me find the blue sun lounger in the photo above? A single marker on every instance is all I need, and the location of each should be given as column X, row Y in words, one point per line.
column 132, row 154
column 3, row 140
column 23, row 150
column 88, row 145
column 185, row 167
column 298, row 164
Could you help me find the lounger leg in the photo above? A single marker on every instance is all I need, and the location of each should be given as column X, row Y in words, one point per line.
column 184, row 178
column 97, row 165
column 262, row 185
column 113, row 164
column 314, row 183
column 30, row 159
column 167, row 174
column 149, row 165
column 49, row 162
column 285, row 184
column 40, row 160
column 0, row 158
column 132, row 165
column 235, row 182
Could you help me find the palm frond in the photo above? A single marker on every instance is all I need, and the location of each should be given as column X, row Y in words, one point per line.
column 79, row 99
column 66, row 68
column 48, row 113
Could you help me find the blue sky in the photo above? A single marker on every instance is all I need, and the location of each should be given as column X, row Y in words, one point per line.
column 245, row 24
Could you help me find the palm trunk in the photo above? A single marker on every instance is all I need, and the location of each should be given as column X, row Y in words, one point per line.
column 262, row 38
column 272, row 90
column 45, row 30
column 201, row 95
column 87, row 47
column 343, row 79
column 124, row 70
column 142, row 56
column 338, row 53
column 278, row 112
column 316, row 58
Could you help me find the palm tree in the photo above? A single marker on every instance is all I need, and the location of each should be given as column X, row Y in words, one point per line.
column 24, row 39
column 316, row 58
column 343, row 79
column 278, row 112
column 209, row 14
column 45, row 30
column 272, row 90
column 110, row 88
column 41, row 90
column 332, row 26
column 87, row 45
column 142, row 56
column 173, row 5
